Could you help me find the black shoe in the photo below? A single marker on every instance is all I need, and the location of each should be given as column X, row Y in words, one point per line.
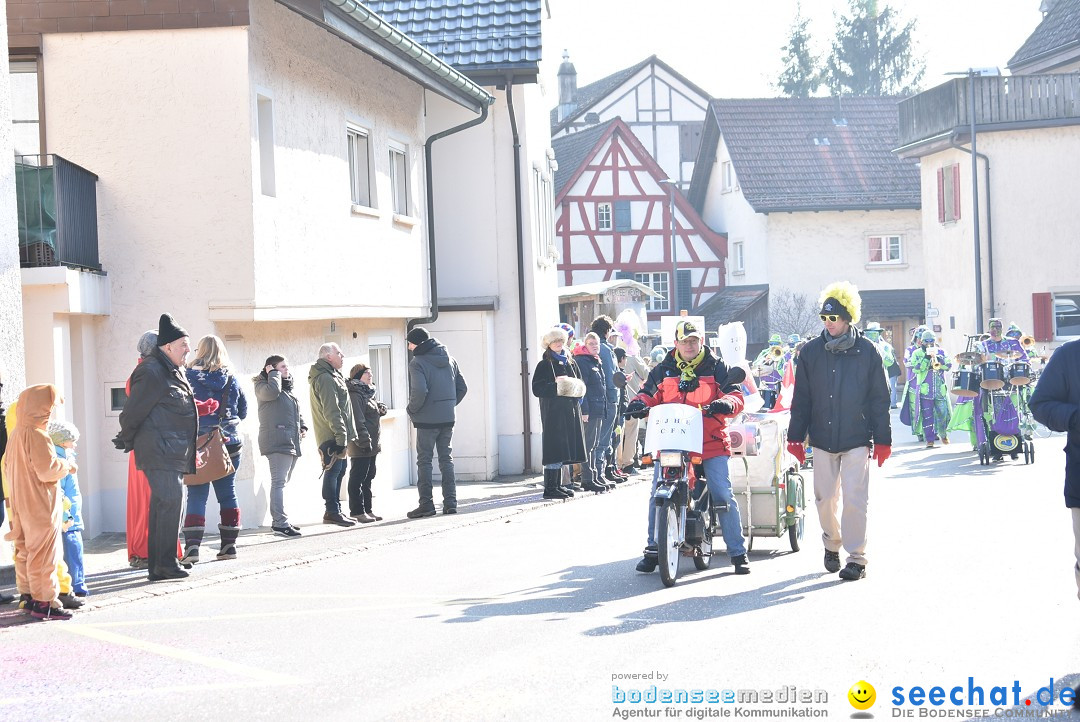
column 593, row 486
column 568, row 490
column 294, row 527
column 420, row 512
column 70, row 601
column 25, row 602
column 609, row 474
column 137, row 562
column 449, row 510
column 285, row 531
column 832, row 561
column 167, row 574
column 852, row 572
column 741, row 565
column 556, row 493
column 337, row 518
column 46, row 612
column 629, row 469
column 648, row 562
column 6, row 598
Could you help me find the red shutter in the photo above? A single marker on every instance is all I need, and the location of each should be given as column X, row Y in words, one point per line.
column 956, row 191
column 1042, row 312
column 941, row 195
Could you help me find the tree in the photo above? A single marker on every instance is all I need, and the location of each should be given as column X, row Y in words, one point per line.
column 872, row 55
column 791, row 312
column 801, row 76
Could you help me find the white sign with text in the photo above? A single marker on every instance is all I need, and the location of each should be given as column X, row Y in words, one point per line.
column 674, row 427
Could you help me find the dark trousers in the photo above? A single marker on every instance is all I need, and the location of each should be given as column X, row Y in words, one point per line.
column 166, row 497
column 361, row 472
column 331, row 486
column 428, row 441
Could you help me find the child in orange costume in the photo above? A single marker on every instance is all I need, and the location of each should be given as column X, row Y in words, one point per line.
column 33, row 473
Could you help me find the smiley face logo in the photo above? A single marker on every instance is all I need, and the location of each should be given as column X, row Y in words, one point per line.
column 862, row 695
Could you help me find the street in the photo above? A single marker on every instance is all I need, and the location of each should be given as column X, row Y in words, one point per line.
column 504, row 614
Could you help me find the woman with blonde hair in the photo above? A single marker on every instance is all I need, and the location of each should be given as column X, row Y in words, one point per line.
column 557, row 383
column 210, row 378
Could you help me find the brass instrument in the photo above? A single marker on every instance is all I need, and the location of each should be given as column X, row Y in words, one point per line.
column 937, row 365
column 777, row 352
column 1027, row 341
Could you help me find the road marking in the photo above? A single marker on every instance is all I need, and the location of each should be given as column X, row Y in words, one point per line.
column 260, row 675
column 261, row 615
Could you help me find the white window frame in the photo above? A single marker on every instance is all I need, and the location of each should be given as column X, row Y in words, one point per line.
column 23, row 127
column 543, row 214
column 264, row 114
column 887, row 246
column 110, row 388
column 660, row 282
column 727, row 177
column 605, row 220
column 948, row 191
column 738, row 257
column 380, row 354
column 356, row 173
column 399, row 187
column 1074, row 295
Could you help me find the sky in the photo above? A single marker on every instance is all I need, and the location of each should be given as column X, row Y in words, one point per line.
column 732, row 48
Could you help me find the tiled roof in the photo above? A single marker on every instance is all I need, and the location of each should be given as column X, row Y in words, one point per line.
column 730, row 303
column 877, row 305
column 471, row 35
column 571, row 151
column 586, row 95
column 1059, row 28
column 792, row 154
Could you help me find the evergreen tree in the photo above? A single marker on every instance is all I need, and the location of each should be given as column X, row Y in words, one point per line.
column 801, row 76
column 872, row 55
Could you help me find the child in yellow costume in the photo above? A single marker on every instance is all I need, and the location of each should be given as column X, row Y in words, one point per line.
column 33, row 472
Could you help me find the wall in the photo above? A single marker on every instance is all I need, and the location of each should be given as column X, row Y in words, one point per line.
column 727, row 211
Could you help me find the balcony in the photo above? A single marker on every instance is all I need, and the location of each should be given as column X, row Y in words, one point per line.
column 1017, row 101
column 57, row 207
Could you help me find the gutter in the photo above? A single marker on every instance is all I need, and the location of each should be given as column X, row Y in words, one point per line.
column 989, row 221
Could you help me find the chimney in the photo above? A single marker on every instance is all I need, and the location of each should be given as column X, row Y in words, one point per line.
column 567, row 86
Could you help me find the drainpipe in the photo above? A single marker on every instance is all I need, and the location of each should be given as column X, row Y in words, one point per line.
column 989, row 222
column 526, row 422
column 432, row 270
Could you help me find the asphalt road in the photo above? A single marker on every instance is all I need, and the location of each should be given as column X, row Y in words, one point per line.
column 537, row 615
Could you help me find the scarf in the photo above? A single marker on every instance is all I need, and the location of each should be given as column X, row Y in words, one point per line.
column 560, row 357
column 840, row 343
column 287, row 384
column 688, row 369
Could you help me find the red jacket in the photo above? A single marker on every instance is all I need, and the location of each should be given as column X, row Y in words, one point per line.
column 662, row 387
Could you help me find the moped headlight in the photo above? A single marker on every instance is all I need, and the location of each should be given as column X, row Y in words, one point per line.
column 670, row 458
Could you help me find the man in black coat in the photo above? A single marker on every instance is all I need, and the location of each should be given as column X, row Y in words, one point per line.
column 160, row 423
column 841, row 402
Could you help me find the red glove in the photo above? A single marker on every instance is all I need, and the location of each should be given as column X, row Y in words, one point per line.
column 205, row 408
column 881, row 452
column 797, row 450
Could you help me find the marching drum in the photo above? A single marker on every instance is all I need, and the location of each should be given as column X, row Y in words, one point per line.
column 967, row 383
column 993, row 375
column 1019, row 373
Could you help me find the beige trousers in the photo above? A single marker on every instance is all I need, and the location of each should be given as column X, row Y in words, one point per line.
column 629, row 442
column 1076, row 537
column 849, row 473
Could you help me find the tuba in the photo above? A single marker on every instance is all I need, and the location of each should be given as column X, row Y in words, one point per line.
column 1027, row 341
column 776, row 352
column 937, row 365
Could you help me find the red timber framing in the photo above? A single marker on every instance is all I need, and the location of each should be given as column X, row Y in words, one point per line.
column 618, row 168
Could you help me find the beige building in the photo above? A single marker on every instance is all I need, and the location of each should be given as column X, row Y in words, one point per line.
column 263, row 180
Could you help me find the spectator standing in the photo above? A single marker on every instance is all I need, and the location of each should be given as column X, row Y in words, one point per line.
column 64, row 437
column 557, row 383
column 436, row 387
column 332, row 415
column 281, row 429
column 593, row 408
column 367, row 411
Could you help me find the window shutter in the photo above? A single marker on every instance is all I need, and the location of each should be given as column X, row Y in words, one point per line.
column 956, row 191
column 685, row 292
column 1042, row 312
column 622, row 215
column 941, row 195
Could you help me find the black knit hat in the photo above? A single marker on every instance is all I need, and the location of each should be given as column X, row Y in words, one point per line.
column 833, row 307
column 418, row 335
column 168, row 330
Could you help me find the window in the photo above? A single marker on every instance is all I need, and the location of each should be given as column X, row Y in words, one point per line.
column 399, row 182
column 381, row 376
column 265, row 119
column 360, row 166
column 885, row 249
column 1066, row 314
column 948, row 192
column 24, row 108
column 738, row 258
column 689, row 141
column 543, row 213
column 603, row 216
column 659, row 283
column 727, row 177
column 622, row 215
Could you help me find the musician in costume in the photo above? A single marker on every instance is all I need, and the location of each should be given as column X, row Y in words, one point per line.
column 768, row 367
column 873, row 333
column 929, row 364
column 1001, row 410
column 909, row 399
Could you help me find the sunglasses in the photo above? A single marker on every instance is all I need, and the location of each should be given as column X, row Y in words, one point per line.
column 830, row 317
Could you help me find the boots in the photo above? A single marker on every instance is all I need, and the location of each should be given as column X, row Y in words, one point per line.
column 194, row 528
column 566, row 484
column 230, row 529
column 551, row 484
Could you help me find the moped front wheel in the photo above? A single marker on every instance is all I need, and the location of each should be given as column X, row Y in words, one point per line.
column 667, row 542
column 704, row 556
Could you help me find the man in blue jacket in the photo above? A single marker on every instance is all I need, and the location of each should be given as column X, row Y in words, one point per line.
column 435, row 388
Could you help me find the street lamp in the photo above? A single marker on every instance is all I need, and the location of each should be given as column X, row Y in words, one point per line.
column 674, row 250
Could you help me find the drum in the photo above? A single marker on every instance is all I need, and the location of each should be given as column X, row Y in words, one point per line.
column 1020, row 373
column 967, row 383
column 993, row 375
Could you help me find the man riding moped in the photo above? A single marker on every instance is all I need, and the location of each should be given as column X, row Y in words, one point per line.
column 690, row 374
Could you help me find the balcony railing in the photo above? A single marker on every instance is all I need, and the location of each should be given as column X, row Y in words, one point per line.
column 1015, row 99
column 57, row 204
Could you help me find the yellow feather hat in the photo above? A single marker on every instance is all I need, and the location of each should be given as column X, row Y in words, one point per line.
column 847, row 294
